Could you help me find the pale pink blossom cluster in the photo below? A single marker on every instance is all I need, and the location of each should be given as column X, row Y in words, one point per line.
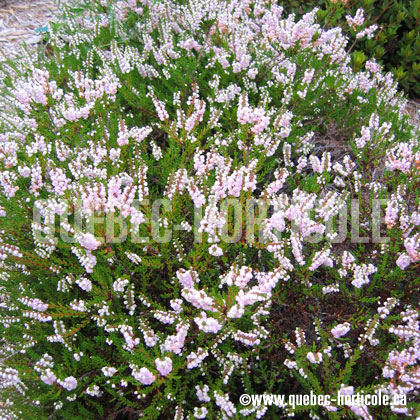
column 340, row 330
column 48, row 377
column 164, row 366
column 175, row 343
column 69, row 383
column 195, row 358
column 35, row 303
column 412, row 254
column 89, row 241
column 207, row 324
column 314, row 358
column 402, row 158
column 402, row 366
column 109, row 371
column 128, row 334
column 256, row 117
column 357, row 20
column 144, row 376
column 84, row 283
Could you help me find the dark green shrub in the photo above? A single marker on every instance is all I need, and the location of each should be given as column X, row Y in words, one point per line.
column 396, row 44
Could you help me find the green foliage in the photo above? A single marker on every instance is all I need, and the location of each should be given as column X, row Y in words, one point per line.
column 396, row 44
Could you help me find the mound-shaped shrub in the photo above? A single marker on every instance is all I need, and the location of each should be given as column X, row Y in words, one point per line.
column 194, row 201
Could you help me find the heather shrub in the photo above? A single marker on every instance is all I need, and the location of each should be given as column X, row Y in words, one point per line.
column 202, row 200
column 394, row 38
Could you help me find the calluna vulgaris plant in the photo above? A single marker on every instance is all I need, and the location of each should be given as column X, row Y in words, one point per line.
column 216, row 109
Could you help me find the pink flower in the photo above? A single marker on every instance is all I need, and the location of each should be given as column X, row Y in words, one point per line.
column 69, row 383
column 404, row 261
column 176, row 305
column 164, row 366
column 109, row 371
column 48, row 377
column 346, row 390
column 144, row 376
column 358, row 20
column 89, row 242
column 340, row 330
column 122, row 138
column 215, row 251
column 175, row 343
column 208, row 325
column 185, row 278
column 314, row 357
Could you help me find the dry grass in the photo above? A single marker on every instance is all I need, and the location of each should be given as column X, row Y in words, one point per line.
column 19, row 21
column 413, row 110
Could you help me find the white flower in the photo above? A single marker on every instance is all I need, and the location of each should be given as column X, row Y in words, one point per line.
column 164, row 366
column 216, row 251
column 69, row 383
column 200, row 412
column 48, row 377
column 314, row 357
column 346, row 390
column 109, row 371
column 340, row 330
